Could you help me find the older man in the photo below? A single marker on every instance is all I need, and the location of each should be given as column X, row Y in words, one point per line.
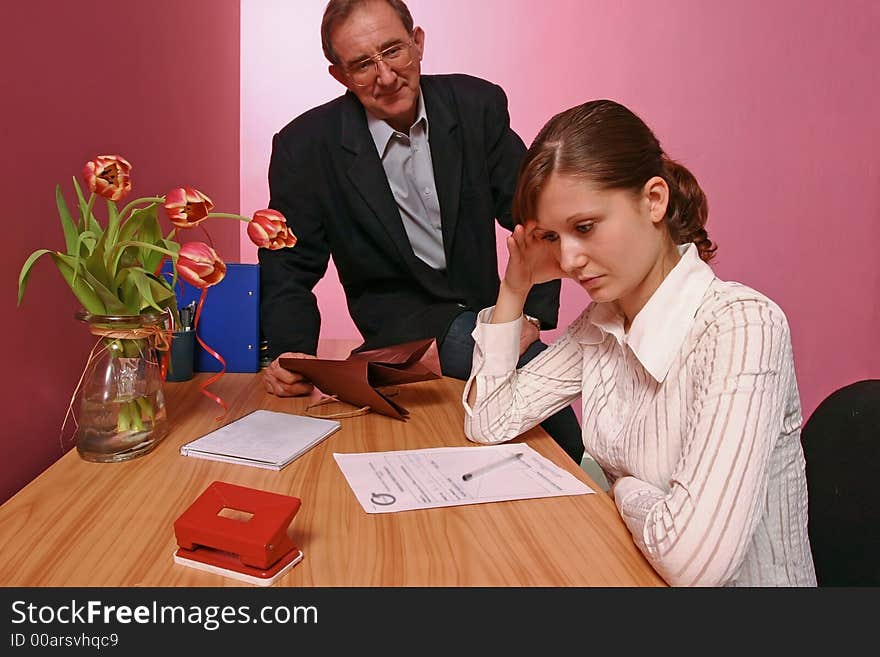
column 401, row 180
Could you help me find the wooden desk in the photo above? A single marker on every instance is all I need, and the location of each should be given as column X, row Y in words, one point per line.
column 88, row 524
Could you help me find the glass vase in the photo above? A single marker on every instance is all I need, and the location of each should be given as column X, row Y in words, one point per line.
column 122, row 409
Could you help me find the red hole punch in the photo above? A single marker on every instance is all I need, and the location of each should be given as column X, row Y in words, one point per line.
column 257, row 551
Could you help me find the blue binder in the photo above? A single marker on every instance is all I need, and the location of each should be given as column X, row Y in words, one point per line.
column 230, row 320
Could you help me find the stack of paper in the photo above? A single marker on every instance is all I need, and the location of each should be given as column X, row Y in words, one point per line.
column 264, row 439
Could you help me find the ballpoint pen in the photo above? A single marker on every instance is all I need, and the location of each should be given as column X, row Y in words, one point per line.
column 467, row 476
column 186, row 316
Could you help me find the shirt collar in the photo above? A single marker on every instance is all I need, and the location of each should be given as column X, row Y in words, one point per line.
column 382, row 132
column 660, row 327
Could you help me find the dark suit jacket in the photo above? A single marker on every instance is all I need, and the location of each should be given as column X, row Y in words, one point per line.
column 327, row 179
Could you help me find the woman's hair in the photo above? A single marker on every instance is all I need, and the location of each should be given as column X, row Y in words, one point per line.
column 605, row 143
column 337, row 11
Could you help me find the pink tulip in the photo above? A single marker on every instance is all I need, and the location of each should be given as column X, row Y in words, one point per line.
column 269, row 230
column 199, row 265
column 109, row 176
column 187, row 207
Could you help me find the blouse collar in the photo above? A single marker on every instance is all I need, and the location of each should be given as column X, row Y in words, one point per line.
column 660, row 327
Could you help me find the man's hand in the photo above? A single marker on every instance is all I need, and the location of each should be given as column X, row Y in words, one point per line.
column 528, row 335
column 284, row 383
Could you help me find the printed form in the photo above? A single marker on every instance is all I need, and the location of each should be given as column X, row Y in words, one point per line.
column 385, row 482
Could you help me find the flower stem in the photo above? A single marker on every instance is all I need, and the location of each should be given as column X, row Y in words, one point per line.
column 224, row 215
column 146, row 408
column 123, row 420
column 137, row 422
column 88, row 213
column 132, row 348
column 145, row 199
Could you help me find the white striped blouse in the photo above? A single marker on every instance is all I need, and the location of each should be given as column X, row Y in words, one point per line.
column 694, row 414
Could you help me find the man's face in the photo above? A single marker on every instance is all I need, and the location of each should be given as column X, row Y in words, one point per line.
column 391, row 91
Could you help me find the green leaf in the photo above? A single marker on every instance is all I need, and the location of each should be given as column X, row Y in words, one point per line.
column 67, row 267
column 151, row 233
column 162, row 290
column 96, row 264
column 124, row 254
column 144, row 247
column 89, row 240
column 129, row 293
column 84, row 293
column 86, row 241
column 138, row 224
column 112, row 223
column 85, row 210
column 145, row 199
column 131, row 227
column 143, row 286
column 131, row 283
column 26, row 270
column 70, row 231
column 174, row 248
column 110, row 300
column 81, row 222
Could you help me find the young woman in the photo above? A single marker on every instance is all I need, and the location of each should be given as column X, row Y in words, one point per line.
column 690, row 402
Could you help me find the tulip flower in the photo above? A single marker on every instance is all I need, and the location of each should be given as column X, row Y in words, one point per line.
column 109, row 176
column 268, row 229
column 114, row 266
column 187, row 207
column 199, row 265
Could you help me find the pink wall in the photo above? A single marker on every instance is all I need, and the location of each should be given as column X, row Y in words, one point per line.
column 79, row 81
column 771, row 104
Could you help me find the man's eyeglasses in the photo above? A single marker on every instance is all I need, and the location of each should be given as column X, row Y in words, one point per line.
column 365, row 72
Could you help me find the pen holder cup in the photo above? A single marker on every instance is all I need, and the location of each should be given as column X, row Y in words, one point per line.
column 183, row 350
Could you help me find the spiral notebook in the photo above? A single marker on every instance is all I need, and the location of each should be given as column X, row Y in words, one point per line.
column 262, row 439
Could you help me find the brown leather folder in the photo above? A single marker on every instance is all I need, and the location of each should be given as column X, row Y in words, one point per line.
column 357, row 379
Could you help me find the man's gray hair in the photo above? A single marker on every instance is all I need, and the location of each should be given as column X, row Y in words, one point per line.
column 338, row 10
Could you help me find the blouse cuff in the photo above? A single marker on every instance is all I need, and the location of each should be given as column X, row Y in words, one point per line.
column 635, row 498
column 497, row 343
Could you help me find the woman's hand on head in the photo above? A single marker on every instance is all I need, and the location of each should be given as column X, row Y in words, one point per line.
column 532, row 260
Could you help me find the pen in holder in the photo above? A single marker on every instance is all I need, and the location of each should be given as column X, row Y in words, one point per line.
column 183, row 350
column 183, row 347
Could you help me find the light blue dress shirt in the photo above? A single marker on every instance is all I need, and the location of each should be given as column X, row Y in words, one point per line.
column 406, row 159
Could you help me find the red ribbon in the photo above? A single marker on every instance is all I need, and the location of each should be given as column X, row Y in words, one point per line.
column 216, row 376
column 208, row 236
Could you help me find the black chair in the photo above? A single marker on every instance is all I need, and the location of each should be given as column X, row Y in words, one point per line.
column 841, row 442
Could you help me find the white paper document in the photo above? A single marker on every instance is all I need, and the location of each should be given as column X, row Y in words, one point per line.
column 264, row 439
column 384, row 482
